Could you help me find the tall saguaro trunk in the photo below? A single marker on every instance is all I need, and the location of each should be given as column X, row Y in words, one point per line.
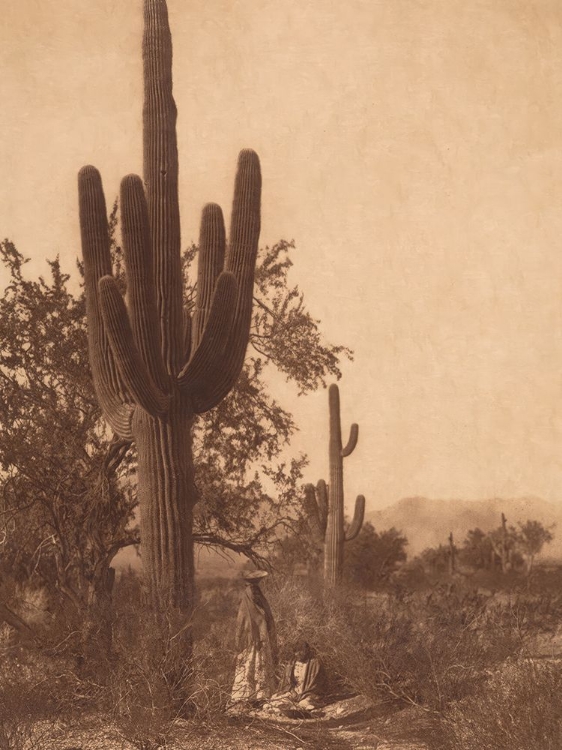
column 155, row 363
column 324, row 505
column 167, row 495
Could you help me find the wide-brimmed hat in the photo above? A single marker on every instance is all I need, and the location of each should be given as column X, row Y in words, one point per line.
column 254, row 575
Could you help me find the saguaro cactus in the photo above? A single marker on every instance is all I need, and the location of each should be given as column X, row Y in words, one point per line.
column 502, row 545
column 452, row 554
column 154, row 366
column 325, row 505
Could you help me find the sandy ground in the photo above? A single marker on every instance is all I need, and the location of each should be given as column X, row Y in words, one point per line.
column 397, row 730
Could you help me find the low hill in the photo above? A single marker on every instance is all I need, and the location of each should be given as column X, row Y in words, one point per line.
column 428, row 523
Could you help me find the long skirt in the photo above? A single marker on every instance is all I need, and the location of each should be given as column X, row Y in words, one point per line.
column 254, row 677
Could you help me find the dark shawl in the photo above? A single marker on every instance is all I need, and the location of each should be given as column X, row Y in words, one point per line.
column 254, row 624
column 314, row 680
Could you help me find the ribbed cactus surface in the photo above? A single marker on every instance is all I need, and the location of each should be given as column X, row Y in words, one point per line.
column 324, row 505
column 156, row 366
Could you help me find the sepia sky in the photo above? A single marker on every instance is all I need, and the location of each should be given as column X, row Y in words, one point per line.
column 412, row 148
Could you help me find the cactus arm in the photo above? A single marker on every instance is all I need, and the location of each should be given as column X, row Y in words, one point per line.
column 119, row 416
column 210, row 263
column 322, row 501
column 140, row 286
column 128, row 358
column 109, row 387
column 215, row 335
column 240, row 260
column 245, row 233
column 352, row 442
column 160, row 154
column 358, row 517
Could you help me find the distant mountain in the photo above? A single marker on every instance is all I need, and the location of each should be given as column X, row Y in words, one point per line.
column 428, row 523
column 425, row 523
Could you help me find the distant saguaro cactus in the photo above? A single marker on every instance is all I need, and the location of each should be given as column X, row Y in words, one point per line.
column 502, row 544
column 324, row 506
column 154, row 366
column 452, row 554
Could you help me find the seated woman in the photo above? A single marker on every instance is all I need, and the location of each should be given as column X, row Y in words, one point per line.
column 303, row 687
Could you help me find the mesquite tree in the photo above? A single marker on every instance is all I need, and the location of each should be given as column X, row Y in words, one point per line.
column 66, row 496
column 325, row 505
column 155, row 367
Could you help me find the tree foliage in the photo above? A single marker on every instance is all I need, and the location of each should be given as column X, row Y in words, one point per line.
column 249, row 483
column 68, row 487
column 505, row 548
column 65, row 502
column 531, row 538
column 436, row 558
column 373, row 556
column 477, row 551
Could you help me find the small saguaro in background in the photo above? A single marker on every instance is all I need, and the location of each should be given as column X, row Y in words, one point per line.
column 324, row 505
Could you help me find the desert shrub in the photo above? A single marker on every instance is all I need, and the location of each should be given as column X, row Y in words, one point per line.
column 518, row 708
column 215, row 652
column 32, row 691
column 427, row 651
column 439, row 650
column 150, row 686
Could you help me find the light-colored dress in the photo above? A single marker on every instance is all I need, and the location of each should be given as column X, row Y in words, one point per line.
column 256, row 641
column 253, row 675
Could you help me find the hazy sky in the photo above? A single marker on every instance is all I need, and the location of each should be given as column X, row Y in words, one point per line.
column 412, row 148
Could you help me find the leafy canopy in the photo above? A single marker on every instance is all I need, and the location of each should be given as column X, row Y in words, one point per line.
column 68, row 485
column 65, row 503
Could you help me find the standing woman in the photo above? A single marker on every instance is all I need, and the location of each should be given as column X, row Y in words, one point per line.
column 256, row 643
